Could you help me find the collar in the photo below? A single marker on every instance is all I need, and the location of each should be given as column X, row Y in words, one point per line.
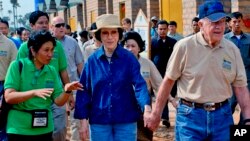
column 63, row 38
column 159, row 38
column 117, row 52
column 175, row 34
column 231, row 35
column 201, row 40
column 32, row 67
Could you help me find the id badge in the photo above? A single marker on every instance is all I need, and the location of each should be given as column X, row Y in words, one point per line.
column 39, row 118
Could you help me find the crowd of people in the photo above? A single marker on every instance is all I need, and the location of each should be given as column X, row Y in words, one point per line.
column 98, row 81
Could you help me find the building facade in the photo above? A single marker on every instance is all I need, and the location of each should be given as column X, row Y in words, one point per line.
column 81, row 13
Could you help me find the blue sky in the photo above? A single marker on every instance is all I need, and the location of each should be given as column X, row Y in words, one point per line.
column 25, row 7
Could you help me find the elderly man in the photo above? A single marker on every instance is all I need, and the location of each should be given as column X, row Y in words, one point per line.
column 74, row 62
column 206, row 66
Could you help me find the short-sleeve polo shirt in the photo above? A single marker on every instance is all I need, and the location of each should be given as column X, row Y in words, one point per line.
column 19, row 122
column 206, row 74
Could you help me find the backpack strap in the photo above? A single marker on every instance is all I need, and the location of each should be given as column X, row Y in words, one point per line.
column 20, row 66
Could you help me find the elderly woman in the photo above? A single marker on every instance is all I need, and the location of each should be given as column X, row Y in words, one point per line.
column 134, row 43
column 32, row 88
column 115, row 94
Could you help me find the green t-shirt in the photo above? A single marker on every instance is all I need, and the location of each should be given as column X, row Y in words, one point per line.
column 19, row 122
column 58, row 61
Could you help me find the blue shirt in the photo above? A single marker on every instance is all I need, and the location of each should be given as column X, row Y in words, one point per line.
column 243, row 43
column 114, row 92
column 17, row 43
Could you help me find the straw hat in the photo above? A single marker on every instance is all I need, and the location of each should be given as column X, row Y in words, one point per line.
column 107, row 21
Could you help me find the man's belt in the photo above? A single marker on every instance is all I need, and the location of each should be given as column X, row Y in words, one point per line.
column 210, row 106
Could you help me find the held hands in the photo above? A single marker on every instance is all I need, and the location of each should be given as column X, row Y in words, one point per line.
column 152, row 120
column 75, row 85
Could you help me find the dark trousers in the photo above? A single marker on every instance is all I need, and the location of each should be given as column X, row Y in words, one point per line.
column 43, row 137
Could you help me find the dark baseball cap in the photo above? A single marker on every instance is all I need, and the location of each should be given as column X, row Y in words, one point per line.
column 213, row 10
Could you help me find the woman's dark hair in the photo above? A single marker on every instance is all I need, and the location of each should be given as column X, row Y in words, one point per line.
column 98, row 34
column 37, row 39
column 135, row 36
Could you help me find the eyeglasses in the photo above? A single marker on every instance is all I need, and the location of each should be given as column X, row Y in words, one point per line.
column 113, row 33
column 59, row 25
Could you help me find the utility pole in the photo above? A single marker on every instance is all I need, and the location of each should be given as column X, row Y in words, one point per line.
column 15, row 4
column 1, row 8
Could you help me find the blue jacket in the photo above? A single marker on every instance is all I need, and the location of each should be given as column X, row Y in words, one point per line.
column 114, row 92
